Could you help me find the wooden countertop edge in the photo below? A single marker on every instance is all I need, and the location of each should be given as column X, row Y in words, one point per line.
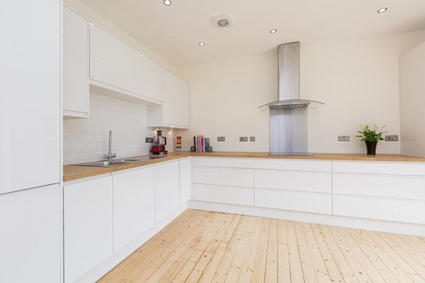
column 74, row 172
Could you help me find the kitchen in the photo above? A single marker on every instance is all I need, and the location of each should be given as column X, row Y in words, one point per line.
column 95, row 187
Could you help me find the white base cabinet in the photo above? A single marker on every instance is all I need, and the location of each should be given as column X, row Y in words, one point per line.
column 134, row 204
column 31, row 235
column 356, row 192
column 167, row 189
column 185, row 180
column 88, row 226
column 107, row 217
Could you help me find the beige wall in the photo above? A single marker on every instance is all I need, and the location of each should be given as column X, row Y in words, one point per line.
column 104, row 23
column 412, row 102
column 358, row 81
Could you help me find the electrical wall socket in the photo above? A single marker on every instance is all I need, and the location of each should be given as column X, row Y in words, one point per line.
column 391, row 137
column 252, row 139
column 343, row 138
column 221, row 139
column 243, row 139
column 148, row 140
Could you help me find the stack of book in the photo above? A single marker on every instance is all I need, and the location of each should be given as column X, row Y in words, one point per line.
column 200, row 143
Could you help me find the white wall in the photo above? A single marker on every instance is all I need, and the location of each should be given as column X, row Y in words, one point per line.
column 412, row 102
column 358, row 81
column 87, row 139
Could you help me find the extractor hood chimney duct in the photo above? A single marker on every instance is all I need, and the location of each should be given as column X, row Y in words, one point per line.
column 288, row 115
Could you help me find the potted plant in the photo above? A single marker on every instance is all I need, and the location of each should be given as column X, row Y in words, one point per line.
column 371, row 137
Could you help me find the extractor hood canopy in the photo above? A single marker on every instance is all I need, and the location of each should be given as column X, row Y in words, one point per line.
column 289, row 80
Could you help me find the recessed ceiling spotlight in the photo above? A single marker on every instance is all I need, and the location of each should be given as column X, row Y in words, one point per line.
column 382, row 10
column 201, row 43
column 167, row 2
column 273, row 31
column 223, row 23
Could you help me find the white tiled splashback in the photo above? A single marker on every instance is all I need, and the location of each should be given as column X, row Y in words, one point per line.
column 87, row 139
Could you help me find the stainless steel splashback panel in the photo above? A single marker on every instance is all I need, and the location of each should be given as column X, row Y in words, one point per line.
column 289, row 131
column 289, row 71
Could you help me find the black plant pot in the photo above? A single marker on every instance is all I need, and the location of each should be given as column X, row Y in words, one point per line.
column 371, row 148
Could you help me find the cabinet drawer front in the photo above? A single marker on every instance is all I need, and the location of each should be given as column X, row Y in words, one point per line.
column 406, row 187
column 223, row 176
column 293, row 180
column 223, row 162
column 387, row 168
column 223, row 194
column 292, row 164
column 296, row 201
column 379, row 208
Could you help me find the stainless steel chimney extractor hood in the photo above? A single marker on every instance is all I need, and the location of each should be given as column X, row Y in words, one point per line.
column 288, row 115
column 289, row 80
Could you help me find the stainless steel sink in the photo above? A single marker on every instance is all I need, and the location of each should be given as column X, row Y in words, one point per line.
column 105, row 163
column 118, row 162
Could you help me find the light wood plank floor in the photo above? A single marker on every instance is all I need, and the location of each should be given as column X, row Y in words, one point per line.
column 202, row 246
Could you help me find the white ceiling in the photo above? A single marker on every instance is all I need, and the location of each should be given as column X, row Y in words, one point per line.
column 174, row 32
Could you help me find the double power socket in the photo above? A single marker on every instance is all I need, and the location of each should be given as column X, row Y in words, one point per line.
column 241, row 139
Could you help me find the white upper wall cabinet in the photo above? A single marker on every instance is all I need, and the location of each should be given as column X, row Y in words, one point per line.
column 183, row 103
column 118, row 70
column 111, row 60
column 175, row 109
column 149, row 78
column 30, row 91
column 75, row 64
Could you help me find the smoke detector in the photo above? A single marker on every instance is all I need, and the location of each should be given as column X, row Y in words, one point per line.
column 222, row 20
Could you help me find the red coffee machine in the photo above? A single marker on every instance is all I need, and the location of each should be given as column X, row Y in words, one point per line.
column 159, row 143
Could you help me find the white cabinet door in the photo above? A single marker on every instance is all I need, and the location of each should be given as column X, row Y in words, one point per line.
column 111, row 60
column 134, row 204
column 185, row 180
column 149, row 78
column 175, row 109
column 169, row 106
column 183, row 103
column 88, row 226
column 167, row 183
column 30, row 91
column 31, row 235
column 75, row 64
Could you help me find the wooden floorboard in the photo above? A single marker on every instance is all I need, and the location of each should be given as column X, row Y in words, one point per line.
column 202, row 246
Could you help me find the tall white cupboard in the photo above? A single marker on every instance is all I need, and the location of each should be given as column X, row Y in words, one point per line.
column 30, row 119
column 30, row 90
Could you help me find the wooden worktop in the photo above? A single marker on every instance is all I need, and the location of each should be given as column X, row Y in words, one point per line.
column 72, row 172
